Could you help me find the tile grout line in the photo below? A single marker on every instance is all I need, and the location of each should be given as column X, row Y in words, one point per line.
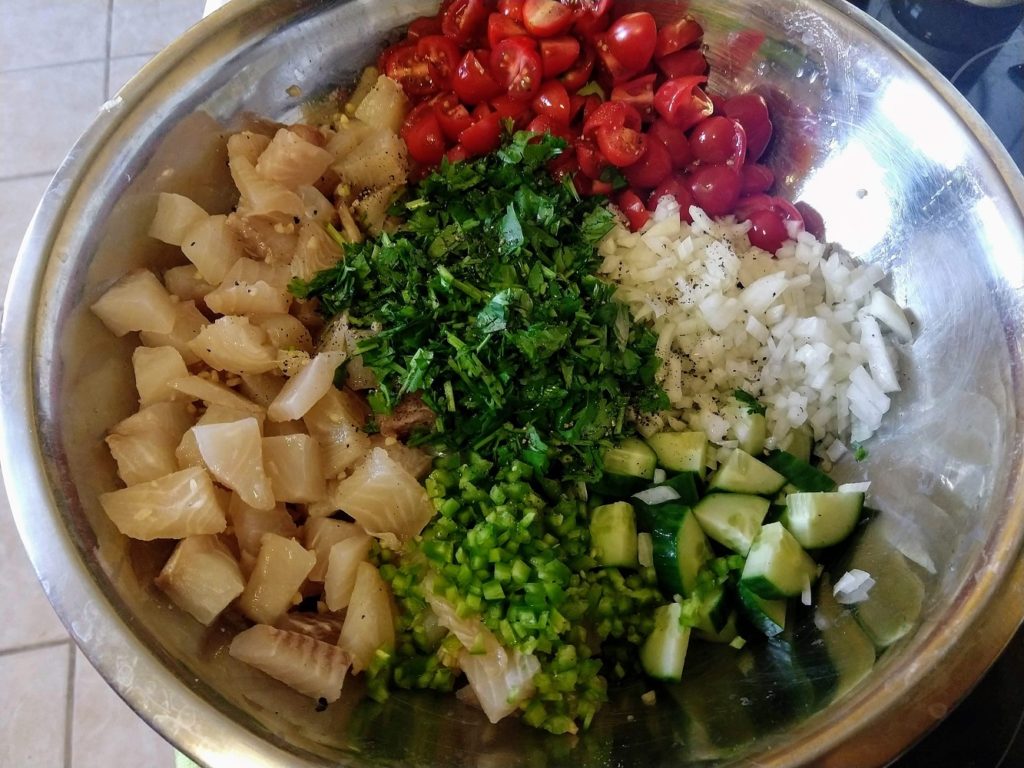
column 26, row 176
column 77, row 63
column 33, row 647
column 69, row 706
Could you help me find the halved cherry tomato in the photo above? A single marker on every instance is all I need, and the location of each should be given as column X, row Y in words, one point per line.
column 500, row 27
column 416, row 75
column 422, row 134
column 580, row 73
column 441, row 52
column 464, row 19
column 457, row 154
column 610, row 61
column 557, row 54
column 718, row 102
column 678, row 188
column 751, row 111
column 544, row 124
column 547, row 18
column 553, row 102
column 517, row 67
column 472, row 82
column 767, row 230
column 512, row 109
column 683, row 63
column 634, row 209
column 639, row 93
column 564, row 164
column 631, row 39
column 716, row 189
column 621, row 146
column 588, row 187
column 653, row 167
column 483, row 136
column 592, row 162
column 675, row 142
column 512, row 8
column 719, row 140
column 613, row 115
column 592, row 17
column 679, row 34
column 682, row 103
column 813, row 222
column 423, row 27
column 452, row 115
column 777, row 205
column 590, row 105
column 756, row 179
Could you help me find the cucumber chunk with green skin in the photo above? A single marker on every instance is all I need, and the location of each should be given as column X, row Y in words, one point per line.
column 822, row 519
column 725, row 635
column 680, row 547
column 714, row 610
column 893, row 605
column 751, row 432
column 680, row 451
column 798, row 443
column 631, row 458
column 799, row 473
column 767, row 616
column 613, row 535
column 732, row 519
column 742, row 473
column 685, row 484
column 777, row 565
column 664, row 651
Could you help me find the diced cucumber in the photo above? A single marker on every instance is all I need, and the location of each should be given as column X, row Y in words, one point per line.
column 680, row 451
column 725, row 635
column 799, row 473
column 893, row 605
column 821, row 519
column 685, row 484
column 767, row 616
column 850, row 651
column 664, row 651
column 631, row 458
column 751, row 432
column 798, row 443
column 742, row 473
column 715, row 608
column 613, row 535
column 777, row 565
column 732, row 519
column 680, row 547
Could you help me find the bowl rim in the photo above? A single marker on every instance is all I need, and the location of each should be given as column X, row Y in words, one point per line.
column 993, row 612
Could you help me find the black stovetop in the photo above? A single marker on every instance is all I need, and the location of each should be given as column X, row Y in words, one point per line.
column 981, row 51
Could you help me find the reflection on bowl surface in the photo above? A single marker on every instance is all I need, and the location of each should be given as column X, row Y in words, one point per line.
column 904, row 175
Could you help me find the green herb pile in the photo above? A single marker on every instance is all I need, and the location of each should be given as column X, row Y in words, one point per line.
column 484, row 302
column 488, row 307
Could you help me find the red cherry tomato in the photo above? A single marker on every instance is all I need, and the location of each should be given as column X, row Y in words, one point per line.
column 682, row 103
column 593, row 18
column 621, row 146
column 452, row 115
column 613, row 115
column 756, row 179
column 718, row 102
column 441, row 53
column 547, row 18
column 678, row 35
column 610, row 61
column 472, row 82
column 719, row 140
column 675, row 142
column 675, row 187
column 633, row 207
column 464, row 19
column 512, row 109
column 684, row 63
column 423, row 27
column 777, row 205
column 631, row 39
column 500, row 27
column 457, row 154
column 587, row 187
column 423, row 136
column 716, row 189
column 751, row 111
column 517, row 67
column 654, row 166
column 483, row 136
column 416, row 75
column 553, row 102
column 513, row 9
column 592, row 162
column 557, row 54
column 767, row 230
column 590, row 104
column 564, row 164
column 639, row 93
column 579, row 75
column 813, row 222
column 543, row 124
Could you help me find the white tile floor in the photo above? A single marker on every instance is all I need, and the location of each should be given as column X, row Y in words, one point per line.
column 60, row 60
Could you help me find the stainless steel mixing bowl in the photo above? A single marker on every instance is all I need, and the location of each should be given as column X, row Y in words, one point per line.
column 905, row 174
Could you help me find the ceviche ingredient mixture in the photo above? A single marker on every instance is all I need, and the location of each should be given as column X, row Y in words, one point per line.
column 508, row 379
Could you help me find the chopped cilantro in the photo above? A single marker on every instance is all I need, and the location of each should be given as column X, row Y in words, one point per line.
column 859, row 452
column 752, row 404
